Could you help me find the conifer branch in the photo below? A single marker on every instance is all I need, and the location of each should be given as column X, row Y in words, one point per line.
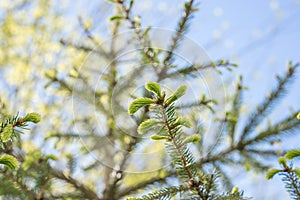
column 141, row 185
column 266, row 106
column 180, row 30
column 165, row 193
column 195, row 67
column 87, row 192
column 290, row 176
column 233, row 116
column 86, row 48
column 292, row 183
column 87, row 31
column 288, row 124
column 145, row 44
column 22, row 186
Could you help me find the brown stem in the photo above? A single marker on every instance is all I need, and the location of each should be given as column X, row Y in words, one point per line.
column 179, row 153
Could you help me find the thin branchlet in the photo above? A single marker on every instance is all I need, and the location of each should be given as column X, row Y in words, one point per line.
column 180, row 30
column 266, row 106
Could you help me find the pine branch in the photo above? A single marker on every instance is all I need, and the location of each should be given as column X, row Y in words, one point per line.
column 76, row 46
column 111, row 183
column 141, row 185
column 195, row 67
column 227, row 183
column 267, row 105
column 165, row 193
column 203, row 102
column 286, row 125
column 182, row 158
column 264, row 153
column 180, row 31
column 145, row 44
column 22, row 186
column 292, row 183
column 88, row 32
column 87, row 192
column 290, row 176
column 180, row 149
column 210, row 187
column 233, row 116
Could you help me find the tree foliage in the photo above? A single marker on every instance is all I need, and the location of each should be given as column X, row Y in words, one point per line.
column 91, row 144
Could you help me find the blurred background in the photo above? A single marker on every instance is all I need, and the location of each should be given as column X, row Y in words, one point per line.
column 260, row 36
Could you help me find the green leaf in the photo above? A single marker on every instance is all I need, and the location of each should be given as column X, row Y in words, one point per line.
column 292, row 154
column 183, row 122
column 113, row 1
column 272, row 172
column 282, row 161
column 6, row 133
column 32, row 117
column 147, row 125
column 9, row 161
column 154, row 88
column 139, row 103
column 192, row 139
column 177, row 94
column 51, row 74
column 51, row 157
column 160, row 137
column 247, row 166
column 234, row 190
column 131, row 4
column 117, row 17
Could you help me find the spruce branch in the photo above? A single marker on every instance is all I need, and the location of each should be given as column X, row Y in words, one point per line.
column 266, row 106
column 290, row 175
column 11, row 128
column 227, row 183
column 66, row 43
column 180, row 31
column 292, row 183
column 165, row 193
column 87, row 192
column 289, row 124
column 134, row 21
column 87, row 31
column 23, row 187
column 203, row 185
column 202, row 102
column 133, row 189
column 188, row 70
column 233, row 116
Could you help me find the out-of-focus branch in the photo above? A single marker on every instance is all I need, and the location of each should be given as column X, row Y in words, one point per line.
column 87, row 192
column 132, row 189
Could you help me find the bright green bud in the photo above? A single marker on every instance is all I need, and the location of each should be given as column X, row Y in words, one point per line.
column 234, row 190
column 282, row 161
column 6, row 133
column 139, row 103
column 292, row 154
column 32, row 117
column 154, row 88
column 9, row 161
column 192, row 139
column 272, row 172
column 160, row 137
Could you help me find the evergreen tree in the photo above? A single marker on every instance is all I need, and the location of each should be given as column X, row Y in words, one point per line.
column 88, row 144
